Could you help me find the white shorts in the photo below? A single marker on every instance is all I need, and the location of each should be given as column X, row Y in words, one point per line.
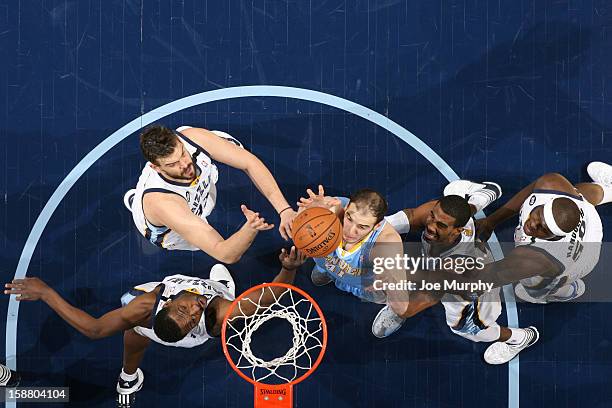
column 476, row 320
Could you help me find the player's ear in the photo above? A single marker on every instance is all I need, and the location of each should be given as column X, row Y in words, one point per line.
column 458, row 230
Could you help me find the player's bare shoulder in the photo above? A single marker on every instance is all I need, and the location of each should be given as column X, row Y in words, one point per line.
column 158, row 205
column 554, row 182
column 139, row 310
column 209, row 139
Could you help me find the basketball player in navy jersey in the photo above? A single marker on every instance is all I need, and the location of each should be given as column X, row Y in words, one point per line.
column 180, row 311
column 177, row 191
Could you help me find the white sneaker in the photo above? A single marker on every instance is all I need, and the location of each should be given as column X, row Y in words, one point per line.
column 600, row 173
column 462, row 188
column 501, row 352
column 320, row 278
column 484, row 193
column 128, row 199
column 220, row 274
column 386, row 323
column 127, row 388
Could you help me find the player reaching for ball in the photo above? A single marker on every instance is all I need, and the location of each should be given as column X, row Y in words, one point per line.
column 176, row 192
column 365, row 235
column 180, row 311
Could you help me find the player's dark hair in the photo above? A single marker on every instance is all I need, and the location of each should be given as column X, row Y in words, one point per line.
column 156, row 142
column 166, row 327
column 373, row 200
column 457, row 207
column 566, row 213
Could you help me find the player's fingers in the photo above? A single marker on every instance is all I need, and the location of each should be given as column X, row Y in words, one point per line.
column 256, row 222
column 321, row 191
column 292, row 252
column 310, row 193
column 283, row 231
column 288, row 230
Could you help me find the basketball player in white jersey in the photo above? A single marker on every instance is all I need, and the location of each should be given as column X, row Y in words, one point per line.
column 176, row 192
column 448, row 232
column 558, row 237
column 180, row 311
column 557, row 241
column 365, row 236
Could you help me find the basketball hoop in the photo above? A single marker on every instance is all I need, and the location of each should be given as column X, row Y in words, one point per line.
column 274, row 379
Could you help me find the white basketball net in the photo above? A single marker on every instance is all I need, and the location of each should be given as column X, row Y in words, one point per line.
column 307, row 336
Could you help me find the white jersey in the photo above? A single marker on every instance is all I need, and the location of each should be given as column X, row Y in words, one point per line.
column 172, row 286
column 475, row 319
column 576, row 254
column 200, row 194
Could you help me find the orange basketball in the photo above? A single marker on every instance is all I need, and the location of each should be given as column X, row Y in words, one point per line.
column 316, row 231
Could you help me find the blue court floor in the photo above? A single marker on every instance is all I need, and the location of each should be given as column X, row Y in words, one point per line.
column 502, row 91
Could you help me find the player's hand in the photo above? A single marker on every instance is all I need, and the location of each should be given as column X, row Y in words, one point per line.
column 27, row 289
column 318, row 200
column 254, row 221
column 484, row 229
column 291, row 260
column 286, row 219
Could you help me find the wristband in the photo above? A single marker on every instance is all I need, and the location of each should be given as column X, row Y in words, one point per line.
column 284, row 209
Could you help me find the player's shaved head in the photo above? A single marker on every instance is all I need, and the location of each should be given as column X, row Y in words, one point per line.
column 372, row 200
column 157, row 142
column 566, row 213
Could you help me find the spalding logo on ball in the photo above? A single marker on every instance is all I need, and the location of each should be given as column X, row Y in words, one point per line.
column 316, row 232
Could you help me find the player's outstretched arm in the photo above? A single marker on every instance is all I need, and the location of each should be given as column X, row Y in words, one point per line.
column 550, row 181
column 521, row 263
column 389, row 280
column 172, row 211
column 420, row 301
column 136, row 312
column 228, row 153
column 290, row 260
column 411, row 219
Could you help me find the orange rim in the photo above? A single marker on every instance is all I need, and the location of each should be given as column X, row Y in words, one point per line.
column 290, row 287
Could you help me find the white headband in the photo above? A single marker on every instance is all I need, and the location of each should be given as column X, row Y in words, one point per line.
column 550, row 220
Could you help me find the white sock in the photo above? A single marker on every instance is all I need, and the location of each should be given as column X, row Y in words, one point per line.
column 517, row 337
column 399, row 221
column 128, row 377
column 607, row 193
column 485, row 196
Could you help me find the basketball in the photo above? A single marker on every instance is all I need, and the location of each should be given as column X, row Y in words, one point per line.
column 316, row 232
